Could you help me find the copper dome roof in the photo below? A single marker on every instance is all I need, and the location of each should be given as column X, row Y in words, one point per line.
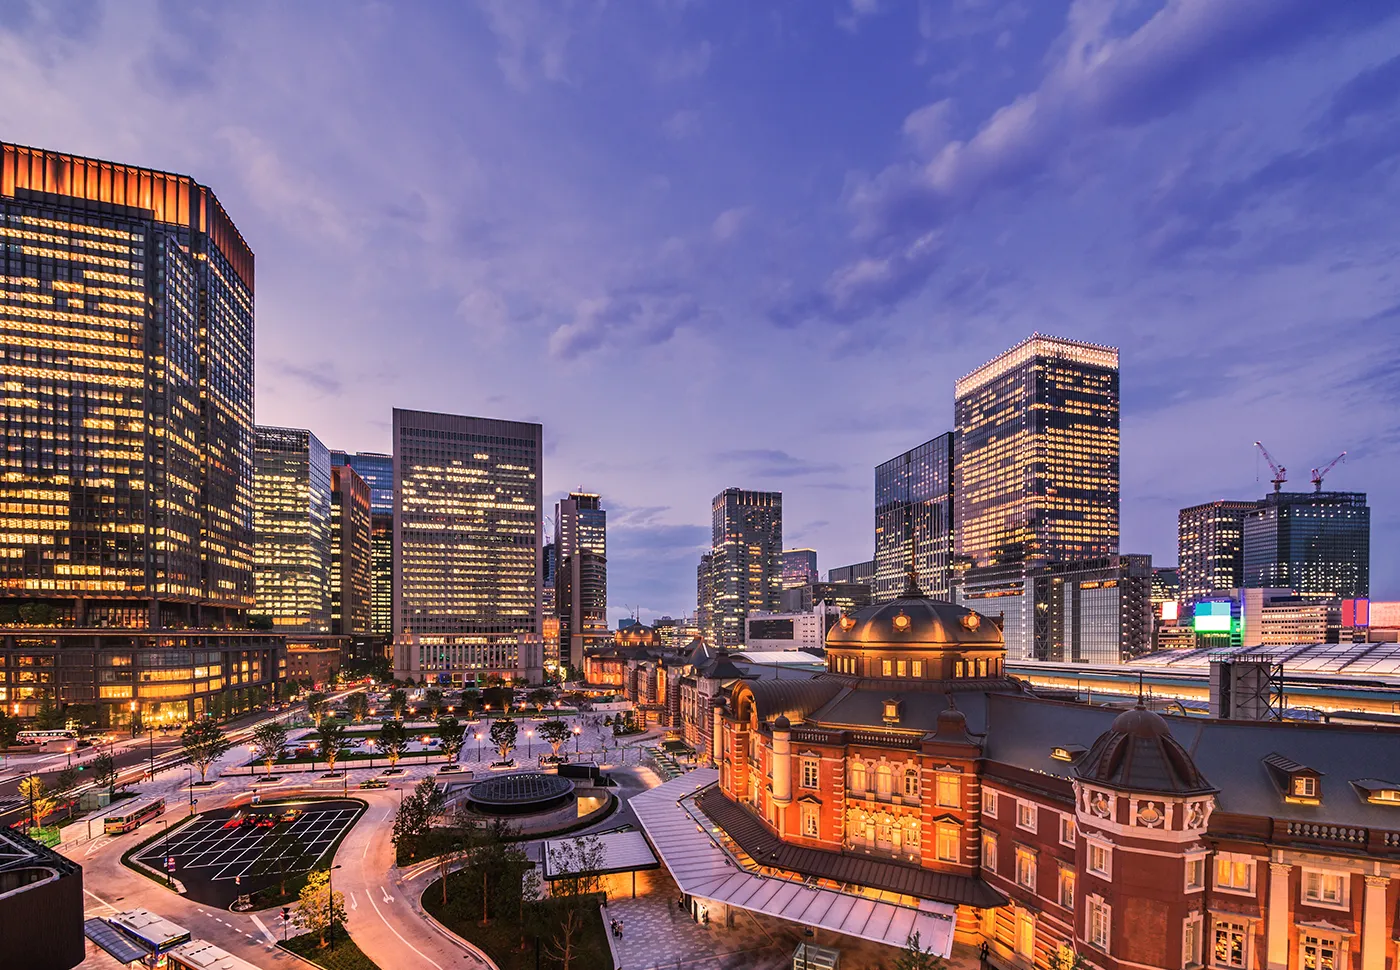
column 1138, row 753
column 914, row 621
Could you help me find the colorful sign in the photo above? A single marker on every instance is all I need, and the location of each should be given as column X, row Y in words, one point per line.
column 1212, row 616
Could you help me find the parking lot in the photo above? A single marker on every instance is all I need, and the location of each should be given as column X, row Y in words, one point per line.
column 226, row 853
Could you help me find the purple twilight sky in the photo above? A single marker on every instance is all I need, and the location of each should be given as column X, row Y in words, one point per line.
column 754, row 243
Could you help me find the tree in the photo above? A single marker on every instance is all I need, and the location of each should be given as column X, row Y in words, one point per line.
column 541, row 696
column 49, row 717
column 497, row 698
column 471, row 700
column 392, row 741
column 398, row 703
column 556, row 732
column 36, row 794
column 579, row 861
column 915, row 957
column 503, row 734
column 432, row 698
column 1065, row 958
column 315, row 704
column 319, row 910
column 104, row 772
column 357, row 705
column 270, row 741
column 9, row 731
column 330, row 741
column 204, row 744
column 452, row 735
column 66, row 781
column 415, row 816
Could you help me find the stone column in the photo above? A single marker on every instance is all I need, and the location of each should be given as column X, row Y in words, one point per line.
column 717, row 735
column 1374, row 923
column 782, row 761
column 1279, row 909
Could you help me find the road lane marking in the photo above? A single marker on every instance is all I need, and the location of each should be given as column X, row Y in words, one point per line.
column 365, row 849
column 353, row 903
column 265, row 931
column 400, row 936
column 101, row 900
column 387, row 897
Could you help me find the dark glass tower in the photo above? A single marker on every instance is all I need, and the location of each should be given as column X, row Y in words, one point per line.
column 746, row 569
column 1210, row 548
column 799, row 568
column 377, row 470
column 1037, row 455
column 1315, row 543
column 581, row 581
column 914, row 520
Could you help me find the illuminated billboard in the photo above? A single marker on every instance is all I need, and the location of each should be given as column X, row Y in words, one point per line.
column 1212, row 616
column 1169, row 608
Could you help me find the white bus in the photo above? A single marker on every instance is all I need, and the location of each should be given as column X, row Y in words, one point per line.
column 200, row 954
column 121, row 818
column 44, row 737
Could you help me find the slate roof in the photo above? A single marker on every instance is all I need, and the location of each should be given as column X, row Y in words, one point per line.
column 1229, row 754
column 843, row 867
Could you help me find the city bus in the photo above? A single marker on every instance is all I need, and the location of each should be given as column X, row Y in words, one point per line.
column 44, row 737
column 121, row 818
column 200, row 954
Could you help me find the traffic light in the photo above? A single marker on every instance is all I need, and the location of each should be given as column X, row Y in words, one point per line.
column 286, row 912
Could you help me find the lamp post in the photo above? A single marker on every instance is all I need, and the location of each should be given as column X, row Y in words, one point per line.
column 478, row 745
column 166, row 853
column 151, row 740
column 69, row 751
column 577, row 732
column 529, row 744
column 330, row 899
column 189, row 773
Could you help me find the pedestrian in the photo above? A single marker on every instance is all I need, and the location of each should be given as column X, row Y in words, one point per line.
column 982, row 954
column 619, row 929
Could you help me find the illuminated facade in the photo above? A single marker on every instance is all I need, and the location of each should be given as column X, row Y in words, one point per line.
column 746, row 568
column 799, row 567
column 581, row 576
column 378, row 472
column 1315, row 543
column 922, row 788
column 467, row 523
column 126, row 349
column 705, row 595
column 1037, row 455
column 1210, row 548
column 856, row 572
column 914, row 520
column 350, row 552
column 292, row 504
column 126, row 305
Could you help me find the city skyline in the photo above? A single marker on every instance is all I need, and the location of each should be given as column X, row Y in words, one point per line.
column 665, row 246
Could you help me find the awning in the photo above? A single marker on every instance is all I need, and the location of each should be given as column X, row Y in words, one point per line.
column 622, row 852
column 107, row 936
column 701, row 868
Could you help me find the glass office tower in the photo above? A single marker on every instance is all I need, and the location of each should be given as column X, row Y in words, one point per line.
column 746, row 568
column 581, row 582
column 467, row 524
column 914, row 521
column 1315, row 543
column 799, row 568
column 126, row 347
column 292, row 502
column 1210, row 549
column 350, row 552
column 377, row 470
column 1037, row 455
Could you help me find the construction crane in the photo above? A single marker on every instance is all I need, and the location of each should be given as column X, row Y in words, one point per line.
column 1280, row 473
column 1317, row 475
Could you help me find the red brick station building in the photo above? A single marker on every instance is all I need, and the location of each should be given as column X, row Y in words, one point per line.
column 914, row 769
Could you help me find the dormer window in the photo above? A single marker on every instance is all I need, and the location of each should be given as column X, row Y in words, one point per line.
column 1067, row 752
column 1378, row 792
column 1299, row 784
column 892, row 711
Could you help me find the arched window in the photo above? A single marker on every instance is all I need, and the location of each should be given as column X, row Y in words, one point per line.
column 911, row 781
column 884, row 779
column 858, row 781
column 911, row 831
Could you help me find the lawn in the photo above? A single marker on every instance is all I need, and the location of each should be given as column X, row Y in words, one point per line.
column 501, row 938
column 345, row 956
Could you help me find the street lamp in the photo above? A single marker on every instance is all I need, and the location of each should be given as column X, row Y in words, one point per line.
column 330, row 899
column 478, row 745
column 166, row 853
column 189, row 774
column 577, row 731
column 69, row 750
column 529, row 744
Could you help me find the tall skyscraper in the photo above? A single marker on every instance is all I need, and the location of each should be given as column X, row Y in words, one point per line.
column 747, row 539
column 914, row 520
column 1315, row 543
column 126, row 342
column 292, row 520
column 377, row 470
column 581, row 584
column 1210, row 549
column 856, row 572
column 705, row 596
column 799, row 568
column 467, row 524
column 350, row 552
column 1037, row 473
column 1037, row 455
